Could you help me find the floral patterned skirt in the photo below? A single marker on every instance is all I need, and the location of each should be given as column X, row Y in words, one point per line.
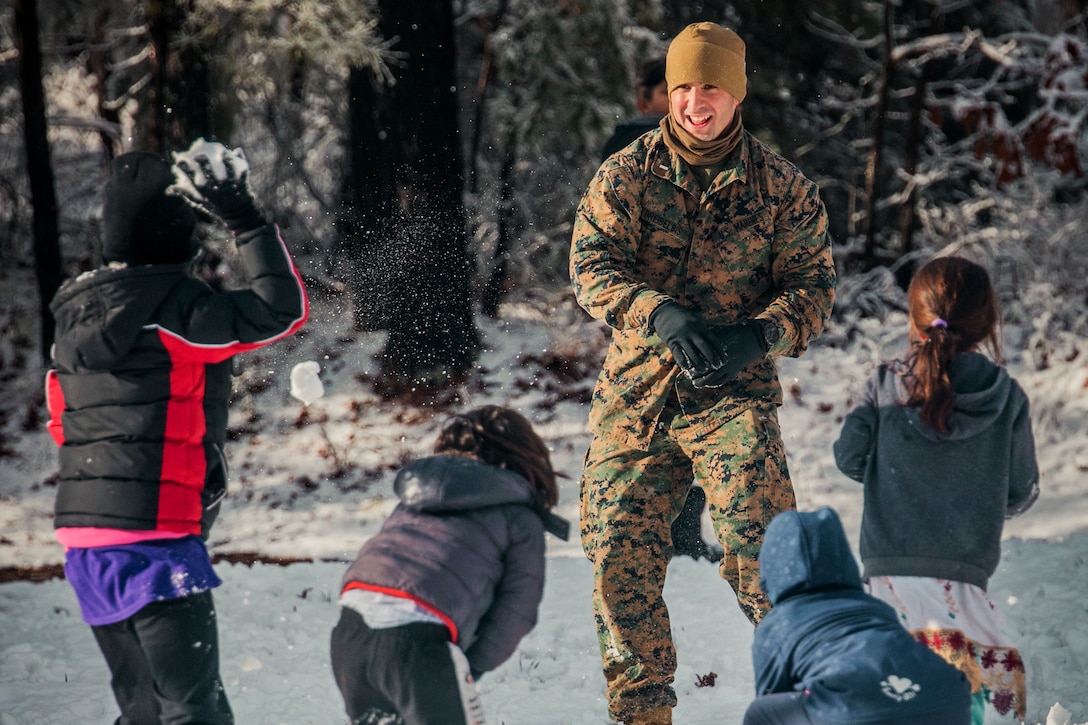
column 959, row 622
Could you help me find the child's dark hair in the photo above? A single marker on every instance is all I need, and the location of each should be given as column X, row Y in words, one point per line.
column 650, row 74
column 502, row 437
column 953, row 309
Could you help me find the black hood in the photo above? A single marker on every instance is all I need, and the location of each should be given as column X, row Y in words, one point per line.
column 142, row 224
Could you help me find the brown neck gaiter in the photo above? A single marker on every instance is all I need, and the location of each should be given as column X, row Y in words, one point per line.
column 697, row 152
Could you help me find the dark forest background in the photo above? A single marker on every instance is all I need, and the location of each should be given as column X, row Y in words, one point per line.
column 424, row 158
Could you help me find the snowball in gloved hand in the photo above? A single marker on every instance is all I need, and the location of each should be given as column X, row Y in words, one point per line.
column 217, row 154
column 305, row 384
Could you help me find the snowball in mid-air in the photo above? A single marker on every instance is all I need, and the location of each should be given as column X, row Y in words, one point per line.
column 217, row 154
column 1058, row 715
column 305, row 384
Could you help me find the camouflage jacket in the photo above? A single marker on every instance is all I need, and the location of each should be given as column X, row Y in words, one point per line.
column 754, row 244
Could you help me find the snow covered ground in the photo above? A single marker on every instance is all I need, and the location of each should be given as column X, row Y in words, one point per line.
column 313, row 482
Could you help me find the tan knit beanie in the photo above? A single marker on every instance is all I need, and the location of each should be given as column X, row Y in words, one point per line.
column 707, row 53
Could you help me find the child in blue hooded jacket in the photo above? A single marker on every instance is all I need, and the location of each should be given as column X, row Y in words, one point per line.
column 828, row 652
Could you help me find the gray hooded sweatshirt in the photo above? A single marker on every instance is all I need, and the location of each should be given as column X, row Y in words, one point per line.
column 467, row 542
column 935, row 503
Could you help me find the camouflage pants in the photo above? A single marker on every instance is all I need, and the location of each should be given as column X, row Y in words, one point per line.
column 629, row 499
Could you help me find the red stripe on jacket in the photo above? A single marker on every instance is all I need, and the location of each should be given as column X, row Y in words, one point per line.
column 54, row 403
column 184, row 466
column 183, row 457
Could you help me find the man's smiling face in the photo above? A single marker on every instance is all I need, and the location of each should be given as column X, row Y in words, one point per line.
column 703, row 110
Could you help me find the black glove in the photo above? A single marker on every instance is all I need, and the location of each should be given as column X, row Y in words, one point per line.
column 688, row 338
column 740, row 345
column 229, row 198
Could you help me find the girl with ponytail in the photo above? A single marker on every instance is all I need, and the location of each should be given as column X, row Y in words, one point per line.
column 947, row 289
column 942, row 442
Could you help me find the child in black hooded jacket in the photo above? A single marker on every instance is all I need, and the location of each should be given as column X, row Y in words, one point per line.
column 138, row 405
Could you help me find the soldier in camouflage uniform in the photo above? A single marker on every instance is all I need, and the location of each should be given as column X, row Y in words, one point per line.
column 707, row 254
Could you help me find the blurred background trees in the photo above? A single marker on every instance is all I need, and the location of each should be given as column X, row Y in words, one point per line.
column 425, row 158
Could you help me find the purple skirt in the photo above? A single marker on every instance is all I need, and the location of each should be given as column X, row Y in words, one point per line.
column 114, row 582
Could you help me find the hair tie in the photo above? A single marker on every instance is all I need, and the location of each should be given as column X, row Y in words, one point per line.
column 939, row 323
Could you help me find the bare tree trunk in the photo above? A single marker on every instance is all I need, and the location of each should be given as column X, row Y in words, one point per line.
column 151, row 123
column 404, row 214
column 98, row 67
column 934, row 17
column 876, row 151
column 178, row 101
column 366, row 204
column 47, row 259
column 495, row 285
column 910, row 163
column 487, row 76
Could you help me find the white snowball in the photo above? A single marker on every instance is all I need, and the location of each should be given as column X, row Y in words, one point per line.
column 217, row 153
column 305, row 384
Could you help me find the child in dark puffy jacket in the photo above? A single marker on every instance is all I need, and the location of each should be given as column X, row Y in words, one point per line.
column 452, row 582
column 138, row 405
column 828, row 652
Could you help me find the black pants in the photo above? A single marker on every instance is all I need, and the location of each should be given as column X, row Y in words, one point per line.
column 164, row 664
column 405, row 671
column 783, row 708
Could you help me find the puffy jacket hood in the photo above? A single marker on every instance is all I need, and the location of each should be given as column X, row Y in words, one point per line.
column 466, row 543
column 99, row 319
column 982, row 396
column 806, row 551
column 451, row 483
